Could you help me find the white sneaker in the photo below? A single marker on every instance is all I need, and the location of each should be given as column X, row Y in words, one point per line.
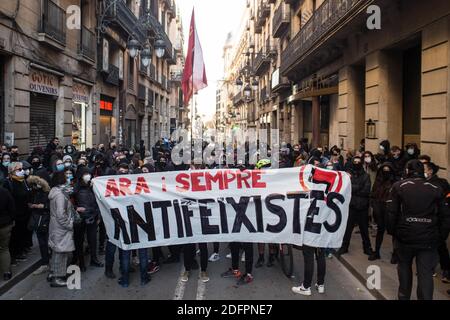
column 41, row 270
column 243, row 257
column 320, row 288
column 197, row 252
column 228, row 256
column 185, row 276
column 214, row 257
column 302, row 290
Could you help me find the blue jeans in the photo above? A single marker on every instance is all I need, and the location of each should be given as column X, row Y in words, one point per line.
column 125, row 264
column 110, row 252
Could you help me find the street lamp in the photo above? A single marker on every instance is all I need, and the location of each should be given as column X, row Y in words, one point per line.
column 160, row 47
column 255, row 84
column 247, row 91
column 146, row 56
column 239, row 84
column 133, row 47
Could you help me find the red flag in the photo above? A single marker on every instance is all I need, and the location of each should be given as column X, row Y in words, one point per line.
column 194, row 75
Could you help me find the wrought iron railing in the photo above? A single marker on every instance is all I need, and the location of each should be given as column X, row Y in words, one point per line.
column 53, row 21
column 113, row 75
column 87, row 43
column 118, row 12
column 281, row 19
column 324, row 20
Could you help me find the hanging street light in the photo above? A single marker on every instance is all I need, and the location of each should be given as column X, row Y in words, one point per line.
column 239, row 84
column 146, row 56
column 133, row 47
column 160, row 48
column 247, row 91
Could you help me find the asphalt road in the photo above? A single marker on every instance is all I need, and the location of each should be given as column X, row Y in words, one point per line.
column 268, row 284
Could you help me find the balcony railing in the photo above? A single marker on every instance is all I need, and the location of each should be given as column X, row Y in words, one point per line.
column 164, row 82
column 261, row 62
column 53, row 23
column 112, row 76
column 323, row 21
column 176, row 76
column 119, row 13
column 87, row 44
column 281, row 20
column 238, row 98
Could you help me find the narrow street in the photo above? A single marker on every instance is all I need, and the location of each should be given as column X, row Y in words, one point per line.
column 269, row 284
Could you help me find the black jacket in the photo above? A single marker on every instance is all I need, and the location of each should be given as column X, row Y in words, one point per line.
column 417, row 213
column 84, row 197
column 7, row 208
column 40, row 197
column 21, row 195
column 360, row 190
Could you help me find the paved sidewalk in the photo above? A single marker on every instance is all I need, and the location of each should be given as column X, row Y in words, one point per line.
column 357, row 263
column 23, row 269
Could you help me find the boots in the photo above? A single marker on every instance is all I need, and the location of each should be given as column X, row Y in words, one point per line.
column 374, row 256
column 58, row 283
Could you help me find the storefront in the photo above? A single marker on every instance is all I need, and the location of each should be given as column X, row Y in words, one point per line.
column 80, row 107
column 44, row 89
column 106, row 119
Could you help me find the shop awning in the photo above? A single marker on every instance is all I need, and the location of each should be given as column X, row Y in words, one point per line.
column 313, row 93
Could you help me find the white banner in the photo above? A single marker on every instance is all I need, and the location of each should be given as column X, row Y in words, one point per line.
column 300, row 206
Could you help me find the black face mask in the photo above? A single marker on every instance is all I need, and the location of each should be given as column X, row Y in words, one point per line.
column 36, row 165
column 387, row 175
column 357, row 166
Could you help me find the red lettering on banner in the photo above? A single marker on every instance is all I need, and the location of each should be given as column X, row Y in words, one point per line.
column 142, row 186
column 228, row 179
column 218, row 177
column 183, row 180
column 256, row 177
column 111, row 189
column 195, row 178
column 124, row 186
column 243, row 179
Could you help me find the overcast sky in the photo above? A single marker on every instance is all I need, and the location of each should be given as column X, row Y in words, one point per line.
column 214, row 20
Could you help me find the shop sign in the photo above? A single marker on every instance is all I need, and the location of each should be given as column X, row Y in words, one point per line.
column 105, row 64
column 120, row 64
column 80, row 93
column 44, row 83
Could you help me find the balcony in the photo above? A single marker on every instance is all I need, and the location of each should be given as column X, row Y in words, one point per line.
column 112, row 76
column 280, row 84
column 53, row 25
column 261, row 63
column 328, row 19
column 176, row 76
column 238, row 99
column 87, row 46
column 264, row 9
column 281, row 20
column 258, row 28
column 120, row 15
column 264, row 95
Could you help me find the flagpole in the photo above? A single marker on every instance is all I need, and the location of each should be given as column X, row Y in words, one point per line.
column 193, row 97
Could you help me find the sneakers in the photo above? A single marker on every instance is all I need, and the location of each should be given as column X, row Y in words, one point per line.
column 228, row 256
column 243, row 257
column 41, row 270
column 153, row 267
column 197, row 252
column 302, row 290
column 123, row 283
column 320, row 288
column 259, row 263
column 248, row 278
column 214, row 257
column 21, row 257
column 445, row 276
column 185, row 276
column 58, row 283
column 204, row 277
column 231, row 274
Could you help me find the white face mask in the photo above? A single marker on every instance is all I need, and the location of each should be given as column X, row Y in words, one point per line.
column 67, row 164
column 20, row 173
column 410, row 152
column 330, row 167
column 381, row 148
column 87, row 178
column 368, row 160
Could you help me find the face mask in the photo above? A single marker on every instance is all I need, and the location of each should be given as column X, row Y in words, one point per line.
column 27, row 173
column 67, row 164
column 368, row 160
column 396, row 156
column 87, row 178
column 6, row 163
column 36, row 165
column 330, row 167
column 69, row 150
column 382, row 148
column 131, row 153
column 69, row 178
column 20, row 174
column 60, row 167
column 410, row 152
column 357, row 166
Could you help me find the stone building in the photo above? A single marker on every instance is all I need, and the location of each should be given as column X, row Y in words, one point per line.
column 78, row 82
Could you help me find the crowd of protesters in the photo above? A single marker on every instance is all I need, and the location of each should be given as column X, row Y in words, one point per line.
column 395, row 191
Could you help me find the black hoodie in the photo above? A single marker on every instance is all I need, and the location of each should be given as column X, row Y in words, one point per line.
column 360, row 188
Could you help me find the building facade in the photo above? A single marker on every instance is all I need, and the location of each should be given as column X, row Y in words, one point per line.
column 334, row 80
column 67, row 72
